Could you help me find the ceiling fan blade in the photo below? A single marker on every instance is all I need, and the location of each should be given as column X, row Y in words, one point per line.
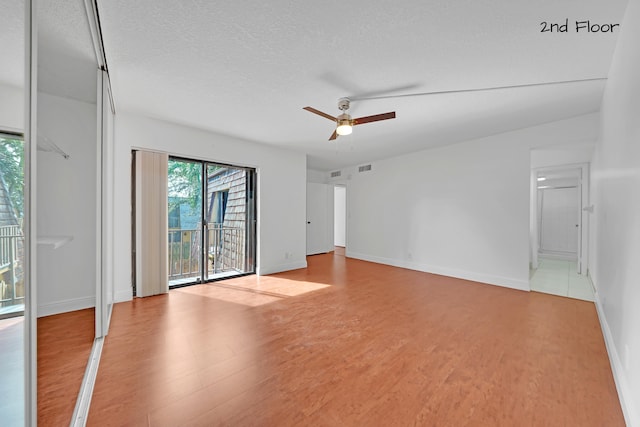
column 482, row 89
column 375, row 118
column 382, row 92
column 320, row 113
column 333, row 136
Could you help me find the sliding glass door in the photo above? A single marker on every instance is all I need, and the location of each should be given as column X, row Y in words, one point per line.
column 214, row 239
column 11, row 231
column 184, row 193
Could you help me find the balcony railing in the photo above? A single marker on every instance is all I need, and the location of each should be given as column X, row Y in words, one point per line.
column 11, row 266
column 225, row 251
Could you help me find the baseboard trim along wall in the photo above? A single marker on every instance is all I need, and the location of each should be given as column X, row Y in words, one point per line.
column 272, row 269
column 630, row 412
column 506, row 282
column 65, row 306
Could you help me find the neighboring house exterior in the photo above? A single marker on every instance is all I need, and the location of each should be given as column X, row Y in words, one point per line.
column 11, row 246
column 226, row 213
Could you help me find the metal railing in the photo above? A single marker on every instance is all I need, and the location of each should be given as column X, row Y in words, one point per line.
column 225, row 248
column 225, row 251
column 11, row 266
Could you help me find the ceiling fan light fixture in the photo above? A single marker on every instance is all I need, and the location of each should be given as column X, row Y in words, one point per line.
column 344, row 129
column 344, row 125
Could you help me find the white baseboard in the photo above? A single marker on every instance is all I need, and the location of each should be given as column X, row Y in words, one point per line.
column 65, row 306
column 522, row 285
column 271, row 269
column 629, row 410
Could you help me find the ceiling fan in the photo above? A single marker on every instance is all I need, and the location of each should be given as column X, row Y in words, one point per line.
column 344, row 122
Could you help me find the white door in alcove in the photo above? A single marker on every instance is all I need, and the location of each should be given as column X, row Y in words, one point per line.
column 340, row 216
column 560, row 220
column 318, row 207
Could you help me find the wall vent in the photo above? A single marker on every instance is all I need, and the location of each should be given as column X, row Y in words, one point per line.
column 336, row 174
column 364, row 168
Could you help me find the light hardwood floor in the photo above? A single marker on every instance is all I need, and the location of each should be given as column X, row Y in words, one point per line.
column 64, row 345
column 351, row 343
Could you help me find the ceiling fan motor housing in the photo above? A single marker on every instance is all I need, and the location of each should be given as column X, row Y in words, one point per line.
column 343, row 104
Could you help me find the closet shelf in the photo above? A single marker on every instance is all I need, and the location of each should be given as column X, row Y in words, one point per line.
column 55, row 241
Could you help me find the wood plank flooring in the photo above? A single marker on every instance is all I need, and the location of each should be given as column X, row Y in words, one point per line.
column 352, row 343
column 64, row 345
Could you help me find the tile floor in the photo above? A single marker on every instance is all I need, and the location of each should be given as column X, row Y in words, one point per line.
column 560, row 277
column 12, row 382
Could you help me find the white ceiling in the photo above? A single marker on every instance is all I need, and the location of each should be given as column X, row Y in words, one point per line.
column 12, row 34
column 66, row 58
column 247, row 68
column 67, row 64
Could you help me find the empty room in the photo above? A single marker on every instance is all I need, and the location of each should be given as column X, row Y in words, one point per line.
column 325, row 214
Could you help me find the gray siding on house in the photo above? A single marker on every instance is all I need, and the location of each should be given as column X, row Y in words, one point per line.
column 7, row 213
column 11, row 251
column 235, row 214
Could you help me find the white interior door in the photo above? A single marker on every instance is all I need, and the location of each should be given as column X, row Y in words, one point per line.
column 317, row 222
column 560, row 221
column 340, row 216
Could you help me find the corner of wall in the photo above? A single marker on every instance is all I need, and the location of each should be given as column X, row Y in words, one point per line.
column 629, row 409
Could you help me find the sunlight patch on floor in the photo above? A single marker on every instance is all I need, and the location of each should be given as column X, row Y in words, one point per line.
column 253, row 291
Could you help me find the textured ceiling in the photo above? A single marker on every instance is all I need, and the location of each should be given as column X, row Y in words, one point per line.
column 12, row 43
column 67, row 63
column 66, row 59
column 247, row 68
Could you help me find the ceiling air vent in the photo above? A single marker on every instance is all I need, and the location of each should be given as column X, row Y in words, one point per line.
column 336, row 174
column 364, row 168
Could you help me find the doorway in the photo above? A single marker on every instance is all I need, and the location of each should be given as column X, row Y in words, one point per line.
column 211, row 221
column 559, row 231
column 340, row 217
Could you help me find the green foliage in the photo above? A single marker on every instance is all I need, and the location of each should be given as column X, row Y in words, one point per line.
column 185, row 183
column 12, row 167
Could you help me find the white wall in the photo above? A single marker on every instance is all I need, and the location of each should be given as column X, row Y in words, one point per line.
column 562, row 155
column 318, row 177
column 11, row 108
column 460, row 210
column 281, row 189
column 66, row 205
column 615, row 254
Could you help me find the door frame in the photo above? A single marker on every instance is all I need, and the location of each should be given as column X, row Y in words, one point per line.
column 251, row 219
column 251, row 232
column 583, row 205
